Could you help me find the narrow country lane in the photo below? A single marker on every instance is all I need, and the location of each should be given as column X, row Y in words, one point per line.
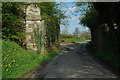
column 74, row 62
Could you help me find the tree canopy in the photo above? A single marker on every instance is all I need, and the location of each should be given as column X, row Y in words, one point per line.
column 103, row 19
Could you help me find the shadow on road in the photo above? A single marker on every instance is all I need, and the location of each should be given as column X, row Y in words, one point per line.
column 74, row 62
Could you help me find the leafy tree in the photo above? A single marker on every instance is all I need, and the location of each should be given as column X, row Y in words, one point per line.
column 52, row 16
column 76, row 32
column 104, row 22
column 86, row 35
column 12, row 16
column 65, row 31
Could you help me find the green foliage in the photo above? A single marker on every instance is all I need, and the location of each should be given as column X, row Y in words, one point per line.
column 17, row 61
column 86, row 35
column 13, row 16
column 52, row 16
column 71, row 38
column 106, row 55
column 67, row 36
column 12, row 21
column 76, row 32
column 50, row 11
column 91, row 19
column 38, row 41
column 0, row 59
column 104, row 22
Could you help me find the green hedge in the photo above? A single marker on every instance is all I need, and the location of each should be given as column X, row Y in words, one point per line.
column 106, row 55
column 71, row 38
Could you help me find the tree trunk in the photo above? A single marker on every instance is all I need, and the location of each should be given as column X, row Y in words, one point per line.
column 96, row 36
column 99, row 38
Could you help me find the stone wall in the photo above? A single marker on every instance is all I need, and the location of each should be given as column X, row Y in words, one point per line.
column 33, row 20
column 49, row 30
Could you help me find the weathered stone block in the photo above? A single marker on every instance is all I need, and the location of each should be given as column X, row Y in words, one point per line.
column 29, row 22
column 31, row 25
column 28, row 37
column 33, row 21
column 33, row 13
column 29, row 30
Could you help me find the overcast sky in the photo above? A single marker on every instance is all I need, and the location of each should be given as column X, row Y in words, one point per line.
column 70, row 10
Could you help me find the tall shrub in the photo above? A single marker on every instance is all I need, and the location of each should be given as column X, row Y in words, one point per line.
column 12, row 25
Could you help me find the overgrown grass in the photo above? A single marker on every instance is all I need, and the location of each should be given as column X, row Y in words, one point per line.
column 17, row 61
column 107, row 56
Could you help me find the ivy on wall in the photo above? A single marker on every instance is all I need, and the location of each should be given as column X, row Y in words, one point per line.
column 52, row 16
column 38, row 40
column 13, row 26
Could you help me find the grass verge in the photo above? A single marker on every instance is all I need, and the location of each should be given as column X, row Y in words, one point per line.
column 72, row 40
column 17, row 61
